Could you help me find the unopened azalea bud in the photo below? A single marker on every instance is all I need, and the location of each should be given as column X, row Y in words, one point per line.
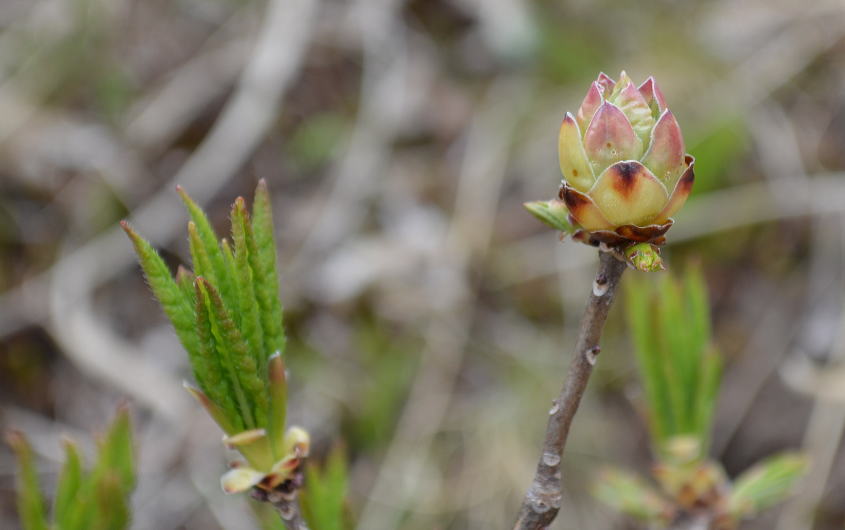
column 623, row 162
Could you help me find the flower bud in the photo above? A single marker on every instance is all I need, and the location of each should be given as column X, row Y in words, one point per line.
column 624, row 169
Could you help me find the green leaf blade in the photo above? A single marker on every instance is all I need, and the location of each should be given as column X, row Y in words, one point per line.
column 117, row 452
column 263, row 264
column 70, row 481
column 214, row 267
column 211, row 369
column 244, row 249
column 641, row 319
column 31, row 506
column 629, row 494
column 766, row 484
column 238, row 361
column 324, row 496
column 175, row 304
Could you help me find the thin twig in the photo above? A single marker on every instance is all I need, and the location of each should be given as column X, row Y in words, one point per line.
column 696, row 522
column 286, row 504
column 542, row 500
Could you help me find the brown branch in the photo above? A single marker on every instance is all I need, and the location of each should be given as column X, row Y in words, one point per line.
column 542, row 500
column 285, row 501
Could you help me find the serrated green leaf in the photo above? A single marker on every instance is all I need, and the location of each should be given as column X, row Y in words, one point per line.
column 632, row 496
column 185, row 281
column 31, row 506
column 214, row 266
column 175, row 304
column 234, row 352
column 215, row 379
column 766, row 484
column 265, row 276
column 228, row 258
column 244, row 246
column 199, row 254
column 70, row 481
column 217, row 413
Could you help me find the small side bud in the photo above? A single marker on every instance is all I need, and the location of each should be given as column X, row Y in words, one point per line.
column 552, row 213
column 644, row 257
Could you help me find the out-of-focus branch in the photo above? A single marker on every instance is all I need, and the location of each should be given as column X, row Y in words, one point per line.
column 242, row 125
column 542, row 500
column 698, row 522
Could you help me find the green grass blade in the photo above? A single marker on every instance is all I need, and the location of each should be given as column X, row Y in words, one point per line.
column 70, row 480
column 31, row 507
column 239, row 363
column 265, row 275
column 175, row 304
column 244, row 246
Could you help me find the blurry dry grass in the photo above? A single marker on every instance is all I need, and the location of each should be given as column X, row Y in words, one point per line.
column 429, row 315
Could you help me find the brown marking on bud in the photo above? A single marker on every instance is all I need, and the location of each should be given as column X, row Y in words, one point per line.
column 625, row 177
column 574, row 200
column 583, row 209
column 687, row 496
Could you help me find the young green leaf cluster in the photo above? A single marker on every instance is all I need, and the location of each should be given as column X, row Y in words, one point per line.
column 97, row 499
column 681, row 372
column 678, row 364
column 227, row 314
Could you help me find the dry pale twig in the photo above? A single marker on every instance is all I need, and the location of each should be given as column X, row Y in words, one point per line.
column 542, row 500
column 468, row 238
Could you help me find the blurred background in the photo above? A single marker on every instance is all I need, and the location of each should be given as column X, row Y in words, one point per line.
column 430, row 317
